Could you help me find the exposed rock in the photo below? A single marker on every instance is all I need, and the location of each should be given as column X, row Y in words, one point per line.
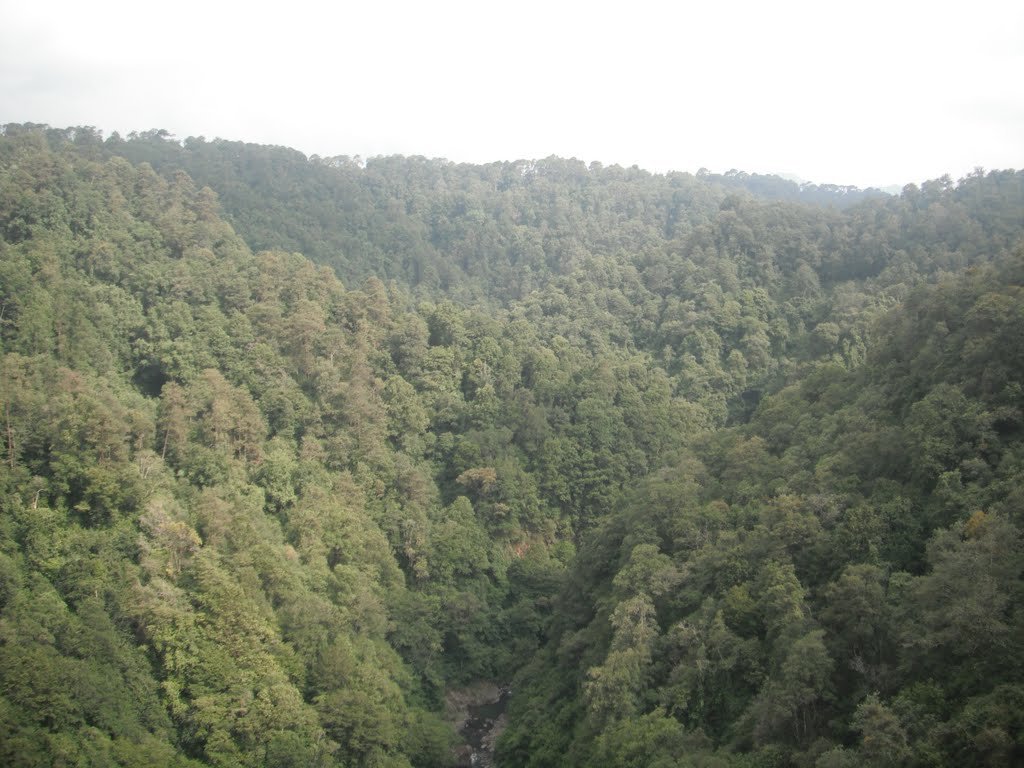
column 477, row 712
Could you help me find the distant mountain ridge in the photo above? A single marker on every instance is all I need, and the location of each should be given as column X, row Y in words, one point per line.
column 780, row 186
column 379, row 216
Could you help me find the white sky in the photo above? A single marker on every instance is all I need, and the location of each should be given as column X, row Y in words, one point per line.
column 870, row 92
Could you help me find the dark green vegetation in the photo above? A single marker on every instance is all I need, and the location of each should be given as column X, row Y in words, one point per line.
column 721, row 478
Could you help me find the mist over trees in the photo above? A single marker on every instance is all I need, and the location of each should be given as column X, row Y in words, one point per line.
column 717, row 470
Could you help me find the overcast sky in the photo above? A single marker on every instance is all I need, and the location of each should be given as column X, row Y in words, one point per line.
column 865, row 92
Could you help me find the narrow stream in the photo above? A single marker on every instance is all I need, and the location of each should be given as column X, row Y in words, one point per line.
column 484, row 724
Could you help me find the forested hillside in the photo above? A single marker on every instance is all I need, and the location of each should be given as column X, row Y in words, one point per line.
column 292, row 447
column 835, row 583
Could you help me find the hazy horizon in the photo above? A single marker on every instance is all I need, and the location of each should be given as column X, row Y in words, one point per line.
column 875, row 96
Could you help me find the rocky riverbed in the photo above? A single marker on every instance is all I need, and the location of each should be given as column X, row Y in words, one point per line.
column 478, row 714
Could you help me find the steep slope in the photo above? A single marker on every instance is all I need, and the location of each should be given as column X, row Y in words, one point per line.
column 837, row 583
column 290, row 513
column 251, row 516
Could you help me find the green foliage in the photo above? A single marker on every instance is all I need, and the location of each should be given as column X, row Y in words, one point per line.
column 838, row 607
column 728, row 479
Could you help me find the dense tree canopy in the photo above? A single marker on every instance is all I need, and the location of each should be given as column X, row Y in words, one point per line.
column 723, row 470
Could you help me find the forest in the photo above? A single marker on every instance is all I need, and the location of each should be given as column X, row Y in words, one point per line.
column 713, row 470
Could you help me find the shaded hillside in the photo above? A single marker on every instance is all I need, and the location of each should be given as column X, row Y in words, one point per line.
column 837, row 583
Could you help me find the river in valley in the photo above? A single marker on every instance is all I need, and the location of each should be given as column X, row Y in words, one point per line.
column 481, row 717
